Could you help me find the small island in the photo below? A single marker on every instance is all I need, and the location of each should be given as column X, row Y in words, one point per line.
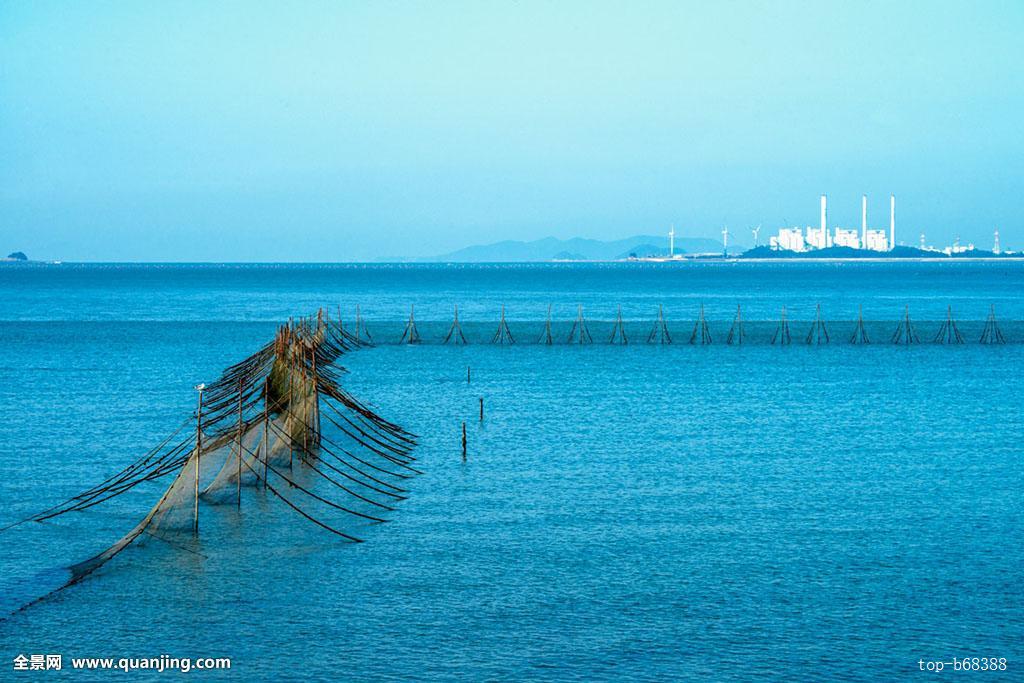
column 897, row 253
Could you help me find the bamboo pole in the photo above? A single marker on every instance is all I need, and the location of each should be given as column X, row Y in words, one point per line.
column 818, row 329
column 905, row 333
column 199, row 451
column 410, row 335
column 618, row 330
column 992, row 334
column 305, row 415
column 948, row 333
column 291, row 406
column 546, row 336
column 238, row 443
column 700, row 329
column 316, row 400
column 455, row 331
column 736, row 333
column 782, row 335
column 266, row 429
column 502, row 334
column 660, row 329
column 860, row 334
column 579, row 326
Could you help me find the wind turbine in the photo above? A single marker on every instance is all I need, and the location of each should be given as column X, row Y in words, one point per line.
column 725, row 241
column 755, row 231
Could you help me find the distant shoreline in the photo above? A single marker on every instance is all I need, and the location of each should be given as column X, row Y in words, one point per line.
column 651, row 260
column 827, row 259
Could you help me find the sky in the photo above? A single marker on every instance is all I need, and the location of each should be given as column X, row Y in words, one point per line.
column 340, row 131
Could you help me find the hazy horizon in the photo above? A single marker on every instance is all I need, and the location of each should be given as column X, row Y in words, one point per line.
column 324, row 132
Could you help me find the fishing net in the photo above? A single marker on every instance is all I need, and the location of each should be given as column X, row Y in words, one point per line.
column 259, row 426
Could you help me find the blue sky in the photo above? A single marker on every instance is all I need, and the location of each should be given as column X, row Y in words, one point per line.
column 345, row 131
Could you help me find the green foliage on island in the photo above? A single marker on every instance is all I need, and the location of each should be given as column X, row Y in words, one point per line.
column 900, row 252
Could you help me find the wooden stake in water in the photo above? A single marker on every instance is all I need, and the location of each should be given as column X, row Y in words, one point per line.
column 700, row 329
column 410, row 335
column 481, row 409
column 905, row 333
column 660, row 329
column 316, row 398
column 199, row 450
column 238, row 475
column 290, row 424
column 992, row 334
column 736, row 333
column 503, row 335
column 580, row 326
column 468, row 373
column 782, row 331
column 860, row 334
column 266, row 430
column 818, row 331
column 455, row 331
column 463, row 441
column 618, row 330
column 546, row 337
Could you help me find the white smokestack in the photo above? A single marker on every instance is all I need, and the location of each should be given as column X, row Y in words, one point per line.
column 824, row 224
column 892, row 221
column 864, row 222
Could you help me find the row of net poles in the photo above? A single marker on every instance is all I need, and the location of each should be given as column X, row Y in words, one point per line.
column 905, row 333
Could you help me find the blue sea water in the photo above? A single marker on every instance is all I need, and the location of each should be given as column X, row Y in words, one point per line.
column 639, row 512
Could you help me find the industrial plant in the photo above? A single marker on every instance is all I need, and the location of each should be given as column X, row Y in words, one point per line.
column 837, row 243
column 810, row 238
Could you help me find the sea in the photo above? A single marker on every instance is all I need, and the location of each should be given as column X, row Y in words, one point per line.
column 818, row 510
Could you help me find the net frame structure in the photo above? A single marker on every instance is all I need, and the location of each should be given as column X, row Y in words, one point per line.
column 276, row 422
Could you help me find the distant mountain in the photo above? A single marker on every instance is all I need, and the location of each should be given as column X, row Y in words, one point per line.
column 580, row 249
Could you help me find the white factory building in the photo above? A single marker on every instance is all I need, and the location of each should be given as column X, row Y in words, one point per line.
column 810, row 238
